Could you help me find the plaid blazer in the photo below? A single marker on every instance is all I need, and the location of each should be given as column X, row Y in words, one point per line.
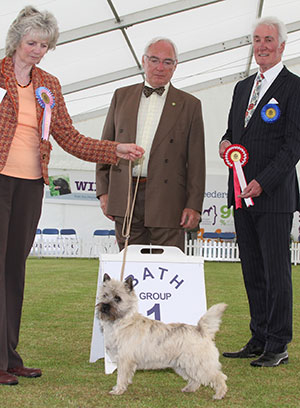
column 61, row 127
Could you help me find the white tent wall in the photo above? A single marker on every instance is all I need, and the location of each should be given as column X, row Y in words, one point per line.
column 100, row 47
column 86, row 216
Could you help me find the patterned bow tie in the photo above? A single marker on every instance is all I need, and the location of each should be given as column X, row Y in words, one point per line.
column 149, row 91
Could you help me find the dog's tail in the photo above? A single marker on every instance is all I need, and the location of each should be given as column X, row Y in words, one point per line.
column 210, row 322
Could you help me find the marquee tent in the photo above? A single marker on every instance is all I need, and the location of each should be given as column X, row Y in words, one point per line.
column 100, row 48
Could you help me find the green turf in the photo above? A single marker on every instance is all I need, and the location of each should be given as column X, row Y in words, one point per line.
column 56, row 334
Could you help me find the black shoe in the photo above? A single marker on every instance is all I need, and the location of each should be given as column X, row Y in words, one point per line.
column 248, row 351
column 269, row 359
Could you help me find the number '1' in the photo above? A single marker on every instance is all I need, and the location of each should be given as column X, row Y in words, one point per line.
column 156, row 310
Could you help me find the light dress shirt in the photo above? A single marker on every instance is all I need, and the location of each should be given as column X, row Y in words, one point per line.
column 149, row 113
column 269, row 77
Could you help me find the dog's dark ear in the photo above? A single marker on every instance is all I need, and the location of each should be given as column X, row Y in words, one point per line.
column 129, row 283
column 106, row 277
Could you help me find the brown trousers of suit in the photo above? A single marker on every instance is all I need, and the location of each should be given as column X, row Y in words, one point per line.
column 20, row 209
column 142, row 235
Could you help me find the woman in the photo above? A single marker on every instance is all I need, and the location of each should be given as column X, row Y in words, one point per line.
column 31, row 108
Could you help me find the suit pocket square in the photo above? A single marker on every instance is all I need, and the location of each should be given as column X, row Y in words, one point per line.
column 273, row 101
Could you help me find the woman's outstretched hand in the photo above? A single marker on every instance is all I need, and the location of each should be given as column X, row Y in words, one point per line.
column 129, row 151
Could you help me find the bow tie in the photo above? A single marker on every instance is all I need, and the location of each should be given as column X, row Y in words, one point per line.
column 149, row 91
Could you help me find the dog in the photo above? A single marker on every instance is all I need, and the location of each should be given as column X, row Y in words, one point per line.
column 135, row 342
column 62, row 186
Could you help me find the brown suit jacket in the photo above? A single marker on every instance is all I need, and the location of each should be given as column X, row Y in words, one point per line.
column 61, row 126
column 176, row 169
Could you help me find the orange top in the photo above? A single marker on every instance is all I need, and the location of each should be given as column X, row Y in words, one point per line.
column 24, row 155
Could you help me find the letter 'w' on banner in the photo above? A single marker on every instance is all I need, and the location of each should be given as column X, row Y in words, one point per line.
column 236, row 156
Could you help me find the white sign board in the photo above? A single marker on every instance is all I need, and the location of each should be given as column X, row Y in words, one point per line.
column 170, row 287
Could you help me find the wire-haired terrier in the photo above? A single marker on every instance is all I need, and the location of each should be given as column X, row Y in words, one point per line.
column 135, row 342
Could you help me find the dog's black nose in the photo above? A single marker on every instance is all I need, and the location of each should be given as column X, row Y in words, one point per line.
column 105, row 308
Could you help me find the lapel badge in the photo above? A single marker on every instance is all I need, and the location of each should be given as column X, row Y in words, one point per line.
column 173, row 103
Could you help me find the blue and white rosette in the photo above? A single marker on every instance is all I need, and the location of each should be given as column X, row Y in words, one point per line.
column 47, row 102
column 270, row 113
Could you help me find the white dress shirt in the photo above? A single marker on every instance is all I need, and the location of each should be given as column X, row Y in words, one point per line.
column 269, row 77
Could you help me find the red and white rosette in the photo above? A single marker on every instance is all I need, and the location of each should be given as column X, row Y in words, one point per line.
column 47, row 101
column 236, row 156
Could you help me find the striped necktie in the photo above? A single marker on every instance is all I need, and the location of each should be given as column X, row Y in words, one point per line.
column 254, row 99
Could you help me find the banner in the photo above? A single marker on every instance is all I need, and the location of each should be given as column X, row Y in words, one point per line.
column 72, row 187
column 216, row 216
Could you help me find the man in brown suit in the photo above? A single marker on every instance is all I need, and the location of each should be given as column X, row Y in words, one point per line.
column 168, row 124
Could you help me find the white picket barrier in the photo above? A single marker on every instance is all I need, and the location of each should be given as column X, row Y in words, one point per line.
column 227, row 251
column 213, row 251
column 58, row 248
column 103, row 244
column 77, row 248
column 295, row 253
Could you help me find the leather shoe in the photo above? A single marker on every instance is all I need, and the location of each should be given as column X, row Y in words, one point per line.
column 25, row 372
column 248, row 351
column 7, row 379
column 269, row 359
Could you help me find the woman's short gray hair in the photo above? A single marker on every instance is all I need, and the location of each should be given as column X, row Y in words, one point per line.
column 275, row 22
column 157, row 39
column 30, row 19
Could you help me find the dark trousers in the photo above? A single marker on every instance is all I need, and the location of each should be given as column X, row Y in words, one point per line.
column 20, row 209
column 264, row 245
column 142, row 235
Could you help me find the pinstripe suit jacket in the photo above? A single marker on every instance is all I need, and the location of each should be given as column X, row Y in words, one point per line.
column 176, row 168
column 61, row 126
column 274, row 148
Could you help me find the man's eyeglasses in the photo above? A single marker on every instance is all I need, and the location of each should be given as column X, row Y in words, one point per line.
column 168, row 62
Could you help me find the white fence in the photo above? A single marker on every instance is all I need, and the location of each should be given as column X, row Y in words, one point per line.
column 213, row 250
column 75, row 248
column 227, row 251
column 295, row 253
column 62, row 247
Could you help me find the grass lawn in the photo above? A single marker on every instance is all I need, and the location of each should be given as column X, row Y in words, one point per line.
column 56, row 335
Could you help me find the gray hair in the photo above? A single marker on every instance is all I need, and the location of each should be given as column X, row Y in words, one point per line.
column 30, row 19
column 274, row 22
column 157, row 39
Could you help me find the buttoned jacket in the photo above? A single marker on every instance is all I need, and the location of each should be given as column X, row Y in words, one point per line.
column 176, row 168
column 273, row 145
column 61, row 127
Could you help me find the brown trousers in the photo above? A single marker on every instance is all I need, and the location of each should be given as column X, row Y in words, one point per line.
column 20, row 209
column 141, row 235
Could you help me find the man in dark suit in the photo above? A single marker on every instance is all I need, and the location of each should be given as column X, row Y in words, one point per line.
column 168, row 125
column 271, row 135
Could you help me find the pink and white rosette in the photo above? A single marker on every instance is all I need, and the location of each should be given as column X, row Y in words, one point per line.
column 236, row 156
column 47, row 101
